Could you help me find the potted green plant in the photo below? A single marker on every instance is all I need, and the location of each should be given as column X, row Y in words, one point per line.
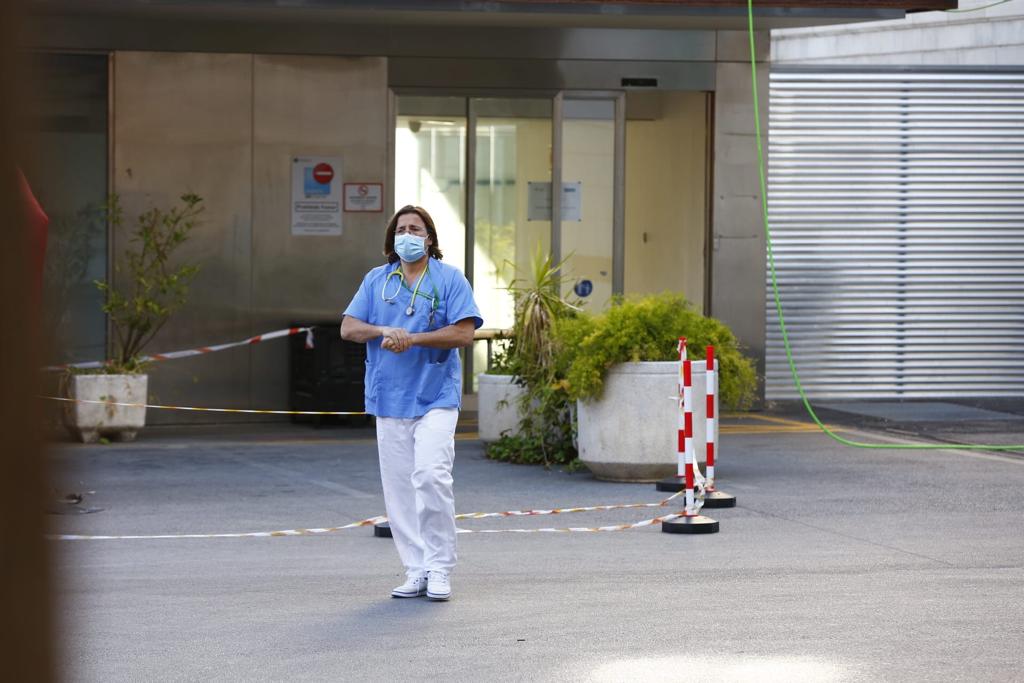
column 537, row 424
column 622, row 370
column 152, row 291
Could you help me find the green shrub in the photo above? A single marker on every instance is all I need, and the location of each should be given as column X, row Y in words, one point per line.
column 570, row 359
column 647, row 329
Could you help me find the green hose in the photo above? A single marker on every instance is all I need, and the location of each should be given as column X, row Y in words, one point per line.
column 778, row 301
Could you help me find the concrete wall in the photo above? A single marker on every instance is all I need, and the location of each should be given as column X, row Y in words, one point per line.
column 225, row 126
column 738, row 242
column 323, row 106
column 990, row 37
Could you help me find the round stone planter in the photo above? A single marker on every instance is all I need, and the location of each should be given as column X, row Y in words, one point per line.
column 631, row 432
column 497, row 406
column 89, row 421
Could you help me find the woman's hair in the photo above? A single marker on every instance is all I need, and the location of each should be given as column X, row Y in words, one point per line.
column 433, row 250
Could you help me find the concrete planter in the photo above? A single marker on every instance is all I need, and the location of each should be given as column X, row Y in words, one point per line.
column 89, row 421
column 630, row 433
column 493, row 417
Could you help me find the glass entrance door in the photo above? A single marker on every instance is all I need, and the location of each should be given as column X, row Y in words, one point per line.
column 512, row 154
column 430, row 167
column 589, row 220
column 519, row 153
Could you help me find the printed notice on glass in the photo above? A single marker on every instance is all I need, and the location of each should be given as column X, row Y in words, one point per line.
column 316, row 195
column 538, row 207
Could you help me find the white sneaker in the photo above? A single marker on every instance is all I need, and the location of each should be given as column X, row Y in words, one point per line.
column 414, row 587
column 439, row 585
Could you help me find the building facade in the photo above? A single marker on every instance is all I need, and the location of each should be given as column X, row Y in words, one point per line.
column 637, row 116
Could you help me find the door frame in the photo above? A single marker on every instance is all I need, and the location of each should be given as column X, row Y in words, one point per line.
column 618, row 98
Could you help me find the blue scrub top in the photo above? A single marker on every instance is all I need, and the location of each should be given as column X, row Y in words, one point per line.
column 409, row 384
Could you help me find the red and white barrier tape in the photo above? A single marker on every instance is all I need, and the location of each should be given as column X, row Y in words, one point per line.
column 376, row 520
column 548, row 530
column 157, row 357
column 559, row 511
column 694, row 490
column 250, row 534
column 248, row 411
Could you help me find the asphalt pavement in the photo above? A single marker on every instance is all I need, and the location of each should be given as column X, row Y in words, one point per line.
column 838, row 564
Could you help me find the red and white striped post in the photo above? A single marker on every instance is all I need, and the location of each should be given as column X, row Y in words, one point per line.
column 684, row 386
column 690, row 522
column 686, row 423
column 709, row 395
column 712, row 497
column 684, row 415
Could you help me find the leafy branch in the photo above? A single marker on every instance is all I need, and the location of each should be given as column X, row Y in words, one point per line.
column 155, row 290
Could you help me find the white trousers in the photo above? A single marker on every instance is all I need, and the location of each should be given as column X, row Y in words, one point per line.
column 416, row 458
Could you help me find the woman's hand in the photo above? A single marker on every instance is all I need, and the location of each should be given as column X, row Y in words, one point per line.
column 395, row 339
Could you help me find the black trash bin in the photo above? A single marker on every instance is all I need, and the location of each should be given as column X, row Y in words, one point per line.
column 328, row 377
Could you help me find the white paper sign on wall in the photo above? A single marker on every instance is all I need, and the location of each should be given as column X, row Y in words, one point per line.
column 316, row 195
column 364, row 197
column 538, row 207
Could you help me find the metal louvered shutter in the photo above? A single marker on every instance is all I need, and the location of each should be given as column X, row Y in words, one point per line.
column 896, row 203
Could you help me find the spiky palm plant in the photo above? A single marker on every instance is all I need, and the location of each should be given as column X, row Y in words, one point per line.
column 546, row 423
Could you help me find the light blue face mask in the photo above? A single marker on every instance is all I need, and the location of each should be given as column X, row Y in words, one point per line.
column 410, row 248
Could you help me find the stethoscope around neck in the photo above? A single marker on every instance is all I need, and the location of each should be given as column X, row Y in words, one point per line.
column 411, row 308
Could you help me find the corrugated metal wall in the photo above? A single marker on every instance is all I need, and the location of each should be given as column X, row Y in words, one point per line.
column 896, row 201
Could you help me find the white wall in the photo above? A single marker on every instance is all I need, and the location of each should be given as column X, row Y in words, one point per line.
column 990, row 37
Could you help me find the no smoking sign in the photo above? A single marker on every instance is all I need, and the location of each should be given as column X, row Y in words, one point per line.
column 364, row 197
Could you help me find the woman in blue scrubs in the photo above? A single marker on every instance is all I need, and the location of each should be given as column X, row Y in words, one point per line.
column 413, row 314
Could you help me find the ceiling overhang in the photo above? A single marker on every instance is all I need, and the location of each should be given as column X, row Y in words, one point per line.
column 666, row 14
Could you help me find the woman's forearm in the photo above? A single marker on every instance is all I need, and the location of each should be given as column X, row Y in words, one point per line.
column 353, row 329
column 451, row 337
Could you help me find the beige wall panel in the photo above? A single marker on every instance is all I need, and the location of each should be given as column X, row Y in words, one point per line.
column 738, row 249
column 665, row 198
column 181, row 122
column 332, row 106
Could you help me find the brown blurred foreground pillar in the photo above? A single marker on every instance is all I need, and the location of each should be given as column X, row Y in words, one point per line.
column 26, row 634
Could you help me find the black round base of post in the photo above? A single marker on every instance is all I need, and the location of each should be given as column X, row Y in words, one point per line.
column 671, row 484
column 719, row 499
column 698, row 524
column 382, row 530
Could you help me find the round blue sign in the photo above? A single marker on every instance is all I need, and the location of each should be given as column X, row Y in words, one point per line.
column 583, row 288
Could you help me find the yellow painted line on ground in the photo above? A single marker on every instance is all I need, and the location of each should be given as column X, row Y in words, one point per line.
column 741, row 429
column 768, row 418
